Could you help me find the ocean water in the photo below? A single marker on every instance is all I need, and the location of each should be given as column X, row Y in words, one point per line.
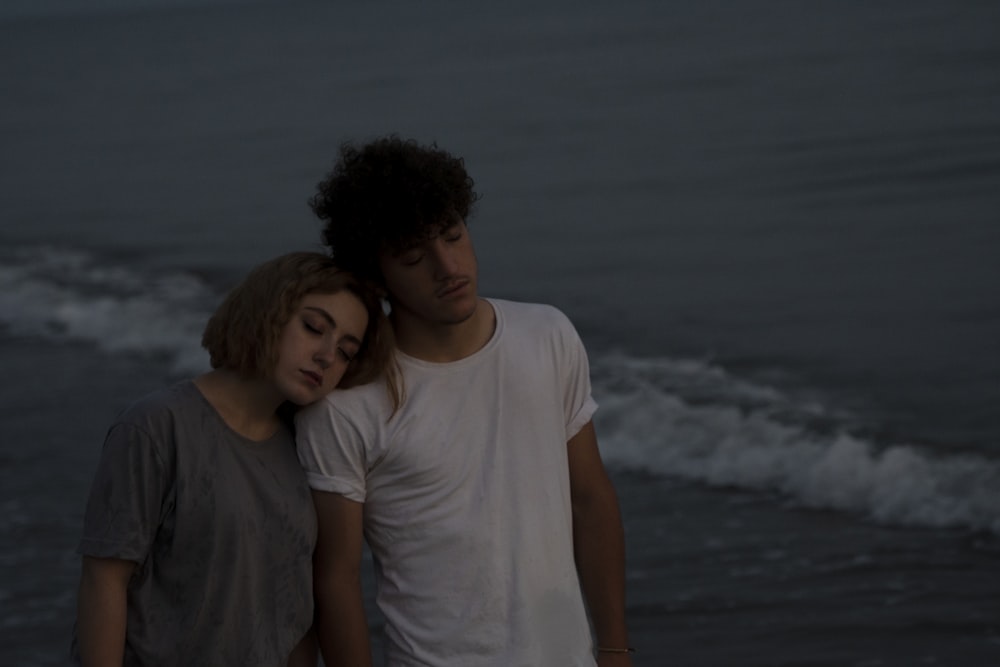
column 776, row 225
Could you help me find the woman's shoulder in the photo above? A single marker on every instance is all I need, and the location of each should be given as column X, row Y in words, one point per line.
column 165, row 403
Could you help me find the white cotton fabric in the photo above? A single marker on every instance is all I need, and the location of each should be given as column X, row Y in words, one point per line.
column 467, row 497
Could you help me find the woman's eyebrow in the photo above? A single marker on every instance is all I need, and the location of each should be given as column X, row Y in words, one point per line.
column 325, row 315
column 353, row 339
column 333, row 323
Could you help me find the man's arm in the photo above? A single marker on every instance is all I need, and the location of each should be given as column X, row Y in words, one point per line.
column 304, row 653
column 598, row 544
column 341, row 625
column 101, row 610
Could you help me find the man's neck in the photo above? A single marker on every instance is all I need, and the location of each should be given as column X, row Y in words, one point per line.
column 444, row 342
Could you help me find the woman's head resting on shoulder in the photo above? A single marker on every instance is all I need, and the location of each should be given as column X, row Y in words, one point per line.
column 304, row 324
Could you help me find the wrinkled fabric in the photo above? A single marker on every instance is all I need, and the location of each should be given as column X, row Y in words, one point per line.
column 222, row 529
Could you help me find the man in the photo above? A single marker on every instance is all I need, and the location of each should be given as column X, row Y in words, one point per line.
column 483, row 497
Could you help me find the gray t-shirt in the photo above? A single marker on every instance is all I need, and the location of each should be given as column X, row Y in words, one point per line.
column 222, row 529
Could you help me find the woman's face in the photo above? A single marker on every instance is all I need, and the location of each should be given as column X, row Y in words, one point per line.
column 315, row 347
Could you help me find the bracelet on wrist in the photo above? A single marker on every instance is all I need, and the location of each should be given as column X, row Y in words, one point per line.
column 606, row 649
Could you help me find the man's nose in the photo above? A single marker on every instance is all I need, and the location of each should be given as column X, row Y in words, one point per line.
column 445, row 260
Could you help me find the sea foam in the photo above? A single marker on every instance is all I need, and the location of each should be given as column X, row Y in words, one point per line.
column 690, row 419
column 65, row 295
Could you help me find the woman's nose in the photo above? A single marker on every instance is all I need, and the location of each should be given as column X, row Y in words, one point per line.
column 324, row 355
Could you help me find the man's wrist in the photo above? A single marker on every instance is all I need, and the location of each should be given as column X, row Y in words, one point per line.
column 615, row 649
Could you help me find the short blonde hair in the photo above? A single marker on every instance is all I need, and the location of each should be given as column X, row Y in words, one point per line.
column 243, row 333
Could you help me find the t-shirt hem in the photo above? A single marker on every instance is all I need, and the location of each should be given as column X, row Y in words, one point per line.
column 95, row 548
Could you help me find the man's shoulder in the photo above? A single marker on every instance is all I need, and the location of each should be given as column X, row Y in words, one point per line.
column 534, row 319
column 524, row 311
column 372, row 399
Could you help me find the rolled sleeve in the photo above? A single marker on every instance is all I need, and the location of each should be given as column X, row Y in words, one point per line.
column 331, row 451
column 582, row 416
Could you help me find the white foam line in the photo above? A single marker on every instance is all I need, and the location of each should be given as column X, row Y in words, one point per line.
column 646, row 427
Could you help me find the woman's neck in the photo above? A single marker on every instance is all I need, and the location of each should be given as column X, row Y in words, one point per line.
column 248, row 406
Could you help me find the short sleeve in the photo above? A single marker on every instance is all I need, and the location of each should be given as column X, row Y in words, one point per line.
column 331, row 450
column 126, row 499
column 578, row 402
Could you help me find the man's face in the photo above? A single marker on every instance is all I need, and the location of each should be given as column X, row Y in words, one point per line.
column 435, row 281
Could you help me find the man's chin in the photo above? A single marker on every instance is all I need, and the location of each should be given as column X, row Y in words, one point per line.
column 466, row 312
column 451, row 312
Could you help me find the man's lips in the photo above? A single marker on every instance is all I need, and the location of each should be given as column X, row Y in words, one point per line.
column 452, row 288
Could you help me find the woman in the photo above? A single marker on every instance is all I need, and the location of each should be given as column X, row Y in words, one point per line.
column 200, row 528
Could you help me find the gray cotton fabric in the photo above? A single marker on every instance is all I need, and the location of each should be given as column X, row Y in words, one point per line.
column 222, row 529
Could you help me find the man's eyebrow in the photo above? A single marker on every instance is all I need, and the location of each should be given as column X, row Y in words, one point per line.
column 448, row 226
column 333, row 323
column 417, row 240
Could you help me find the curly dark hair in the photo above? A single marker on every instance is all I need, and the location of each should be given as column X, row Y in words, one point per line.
column 389, row 195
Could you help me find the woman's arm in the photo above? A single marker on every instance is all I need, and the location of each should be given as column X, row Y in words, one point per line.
column 101, row 610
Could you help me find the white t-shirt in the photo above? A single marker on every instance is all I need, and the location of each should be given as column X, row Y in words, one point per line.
column 467, row 496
